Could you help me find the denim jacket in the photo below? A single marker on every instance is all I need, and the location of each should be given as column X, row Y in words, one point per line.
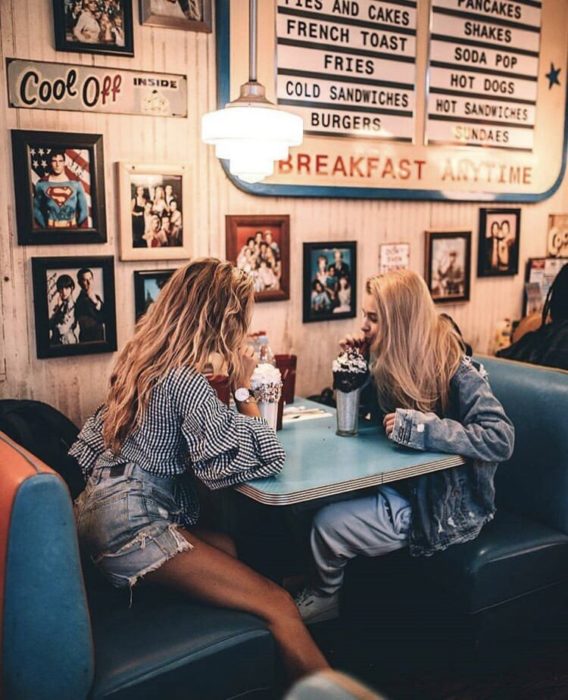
column 451, row 506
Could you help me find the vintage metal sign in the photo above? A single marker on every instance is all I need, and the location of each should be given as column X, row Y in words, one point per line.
column 62, row 86
column 447, row 99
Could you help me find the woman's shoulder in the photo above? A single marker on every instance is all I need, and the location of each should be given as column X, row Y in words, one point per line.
column 469, row 368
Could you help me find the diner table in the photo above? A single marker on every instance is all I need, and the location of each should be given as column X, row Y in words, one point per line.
column 321, row 464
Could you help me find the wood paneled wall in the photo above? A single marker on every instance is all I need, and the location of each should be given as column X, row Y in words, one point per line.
column 77, row 385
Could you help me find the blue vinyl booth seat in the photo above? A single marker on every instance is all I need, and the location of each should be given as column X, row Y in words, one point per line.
column 512, row 581
column 61, row 639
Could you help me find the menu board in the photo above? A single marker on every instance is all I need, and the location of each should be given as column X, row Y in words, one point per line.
column 483, row 73
column 349, row 69
column 441, row 99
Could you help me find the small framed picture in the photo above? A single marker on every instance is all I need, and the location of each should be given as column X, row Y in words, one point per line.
column 330, row 281
column 191, row 15
column 74, row 305
column 260, row 246
column 154, row 212
column 94, row 26
column 60, row 194
column 540, row 273
column 147, row 286
column 557, row 243
column 393, row 256
column 499, row 234
column 448, row 263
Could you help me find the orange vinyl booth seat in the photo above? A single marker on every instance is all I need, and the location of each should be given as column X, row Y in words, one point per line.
column 45, row 634
column 66, row 634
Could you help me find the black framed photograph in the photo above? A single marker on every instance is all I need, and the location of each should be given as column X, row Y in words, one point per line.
column 154, row 212
column 499, row 235
column 190, row 15
column 330, row 281
column 448, row 265
column 94, row 26
column 59, row 185
column 74, row 304
column 147, row 287
column 260, row 246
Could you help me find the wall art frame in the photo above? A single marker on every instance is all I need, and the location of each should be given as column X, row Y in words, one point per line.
column 498, row 242
column 90, row 27
column 557, row 237
column 260, row 246
column 448, row 265
column 330, row 281
column 189, row 15
column 74, row 305
column 540, row 273
column 393, row 256
column 154, row 211
column 59, row 186
column 147, row 286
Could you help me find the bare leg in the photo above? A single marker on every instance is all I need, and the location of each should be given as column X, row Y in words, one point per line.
column 209, row 574
column 216, row 539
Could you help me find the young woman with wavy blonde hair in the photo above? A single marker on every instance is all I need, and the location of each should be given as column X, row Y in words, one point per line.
column 431, row 397
column 161, row 422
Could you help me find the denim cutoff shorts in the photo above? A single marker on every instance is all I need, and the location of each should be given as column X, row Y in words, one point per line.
column 128, row 522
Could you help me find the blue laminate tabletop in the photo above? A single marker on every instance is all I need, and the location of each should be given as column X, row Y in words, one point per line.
column 320, row 463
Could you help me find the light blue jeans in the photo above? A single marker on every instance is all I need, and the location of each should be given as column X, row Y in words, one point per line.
column 371, row 525
column 128, row 522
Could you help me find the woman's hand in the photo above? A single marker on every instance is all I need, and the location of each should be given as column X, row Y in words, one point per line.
column 356, row 340
column 388, row 423
column 248, row 363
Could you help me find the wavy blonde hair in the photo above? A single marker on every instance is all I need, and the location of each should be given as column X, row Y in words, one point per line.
column 416, row 351
column 204, row 308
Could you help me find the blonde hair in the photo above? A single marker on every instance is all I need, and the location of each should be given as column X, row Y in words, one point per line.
column 204, row 308
column 416, row 351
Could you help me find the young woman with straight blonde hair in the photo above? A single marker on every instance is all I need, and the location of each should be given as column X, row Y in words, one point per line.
column 161, row 421
column 431, row 397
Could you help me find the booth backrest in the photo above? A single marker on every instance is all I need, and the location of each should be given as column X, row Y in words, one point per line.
column 535, row 480
column 46, row 649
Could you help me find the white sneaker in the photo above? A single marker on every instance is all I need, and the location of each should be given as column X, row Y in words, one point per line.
column 316, row 607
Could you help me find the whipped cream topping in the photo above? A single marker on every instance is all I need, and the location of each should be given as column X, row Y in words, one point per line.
column 351, row 361
column 266, row 383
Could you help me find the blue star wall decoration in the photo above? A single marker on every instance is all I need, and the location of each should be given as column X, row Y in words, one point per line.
column 552, row 76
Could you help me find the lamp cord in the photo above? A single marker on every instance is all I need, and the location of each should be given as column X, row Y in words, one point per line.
column 252, row 41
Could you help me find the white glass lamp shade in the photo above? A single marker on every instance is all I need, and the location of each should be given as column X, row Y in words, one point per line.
column 251, row 137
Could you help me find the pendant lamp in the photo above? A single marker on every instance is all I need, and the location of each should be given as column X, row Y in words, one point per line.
column 250, row 132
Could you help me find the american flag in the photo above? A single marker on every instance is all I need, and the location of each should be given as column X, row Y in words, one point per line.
column 77, row 167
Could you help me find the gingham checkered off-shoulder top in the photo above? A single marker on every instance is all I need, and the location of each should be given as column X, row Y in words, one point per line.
column 186, row 428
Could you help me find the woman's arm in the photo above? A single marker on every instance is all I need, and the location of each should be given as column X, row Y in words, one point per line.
column 224, row 447
column 483, row 431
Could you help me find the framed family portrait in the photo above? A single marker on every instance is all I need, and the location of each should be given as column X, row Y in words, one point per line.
column 147, row 287
column 60, row 194
column 557, row 241
column 154, row 216
column 74, row 305
column 260, row 246
column 330, row 281
column 498, row 250
column 448, row 264
column 191, row 15
column 94, row 26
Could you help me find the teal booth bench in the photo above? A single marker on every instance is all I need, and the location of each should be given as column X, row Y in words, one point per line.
column 511, row 582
